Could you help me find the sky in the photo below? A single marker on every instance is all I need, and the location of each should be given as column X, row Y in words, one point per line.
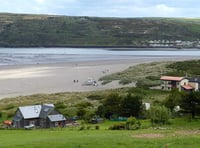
column 105, row 8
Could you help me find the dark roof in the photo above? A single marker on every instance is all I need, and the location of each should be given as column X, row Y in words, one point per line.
column 46, row 110
column 57, row 117
column 197, row 80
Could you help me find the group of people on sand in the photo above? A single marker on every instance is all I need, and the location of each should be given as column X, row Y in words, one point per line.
column 75, row 81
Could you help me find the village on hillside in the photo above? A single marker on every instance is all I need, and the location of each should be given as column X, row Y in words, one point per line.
column 174, row 44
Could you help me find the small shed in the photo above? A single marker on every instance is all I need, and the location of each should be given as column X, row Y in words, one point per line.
column 57, row 120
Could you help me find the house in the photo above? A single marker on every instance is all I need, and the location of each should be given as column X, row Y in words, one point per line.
column 42, row 116
column 180, row 83
column 170, row 82
column 195, row 83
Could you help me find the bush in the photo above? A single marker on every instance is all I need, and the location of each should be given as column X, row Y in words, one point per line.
column 118, row 126
column 10, row 114
column 97, row 127
column 132, row 124
column 82, row 128
column 159, row 114
column 106, row 82
column 125, row 81
column 95, row 97
column 10, row 106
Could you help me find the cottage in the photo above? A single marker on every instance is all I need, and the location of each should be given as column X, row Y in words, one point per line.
column 43, row 116
column 180, row 83
column 170, row 82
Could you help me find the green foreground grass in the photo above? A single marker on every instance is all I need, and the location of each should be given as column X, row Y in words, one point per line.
column 173, row 135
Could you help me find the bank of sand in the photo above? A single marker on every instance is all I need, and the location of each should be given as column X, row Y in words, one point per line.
column 51, row 78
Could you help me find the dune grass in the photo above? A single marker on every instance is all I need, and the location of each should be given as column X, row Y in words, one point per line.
column 148, row 74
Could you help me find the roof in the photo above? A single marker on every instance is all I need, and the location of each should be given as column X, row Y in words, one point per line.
column 196, row 80
column 171, row 78
column 57, row 117
column 187, row 87
column 29, row 112
column 46, row 110
column 36, row 111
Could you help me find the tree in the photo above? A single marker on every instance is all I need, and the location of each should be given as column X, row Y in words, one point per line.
column 159, row 114
column 191, row 103
column 111, row 105
column 131, row 105
column 173, row 99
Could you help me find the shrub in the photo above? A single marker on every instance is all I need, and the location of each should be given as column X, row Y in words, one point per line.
column 106, row 82
column 10, row 106
column 153, row 78
column 97, row 127
column 132, row 124
column 118, row 126
column 82, row 128
column 125, row 81
column 94, row 97
column 1, row 114
column 159, row 114
column 88, row 127
column 10, row 114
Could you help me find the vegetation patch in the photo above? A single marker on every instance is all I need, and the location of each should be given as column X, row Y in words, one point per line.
column 143, row 74
column 20, row 30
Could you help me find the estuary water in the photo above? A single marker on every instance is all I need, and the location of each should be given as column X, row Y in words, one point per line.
column 20, row 56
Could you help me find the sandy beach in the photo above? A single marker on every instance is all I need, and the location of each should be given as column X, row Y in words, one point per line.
column 51, row 78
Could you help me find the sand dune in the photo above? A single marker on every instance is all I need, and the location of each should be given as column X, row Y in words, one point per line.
column 51, row 78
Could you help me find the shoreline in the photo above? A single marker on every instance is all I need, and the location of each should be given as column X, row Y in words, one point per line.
column 112, row 47
column 20, row 80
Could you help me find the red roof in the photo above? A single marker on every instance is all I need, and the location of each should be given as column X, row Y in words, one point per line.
column 187, row 87
column 170, row 78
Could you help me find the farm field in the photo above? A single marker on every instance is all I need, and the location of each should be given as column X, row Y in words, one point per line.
column 179, row 134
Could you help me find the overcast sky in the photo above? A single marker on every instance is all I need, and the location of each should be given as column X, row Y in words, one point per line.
column 105, row 8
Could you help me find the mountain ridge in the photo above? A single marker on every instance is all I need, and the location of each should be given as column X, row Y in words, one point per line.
column 29, row 30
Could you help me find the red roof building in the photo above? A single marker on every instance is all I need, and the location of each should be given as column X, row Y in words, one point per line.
column 170, row 78
column 170, row 82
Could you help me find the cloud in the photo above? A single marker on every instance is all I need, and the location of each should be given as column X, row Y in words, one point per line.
column 105, row 8
column 165, row 9
column 40, row 1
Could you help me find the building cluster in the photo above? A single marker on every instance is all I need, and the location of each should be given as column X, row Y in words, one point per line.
column 180, row 83
column 174, row 44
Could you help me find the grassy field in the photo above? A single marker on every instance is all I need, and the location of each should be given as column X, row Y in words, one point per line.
column 179, row 134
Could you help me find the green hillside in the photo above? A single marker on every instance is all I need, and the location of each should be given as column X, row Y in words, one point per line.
column 19, row 30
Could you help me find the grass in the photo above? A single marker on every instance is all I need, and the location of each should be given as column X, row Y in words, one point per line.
column 148, row 74
column 180, row 132
column 147, row 137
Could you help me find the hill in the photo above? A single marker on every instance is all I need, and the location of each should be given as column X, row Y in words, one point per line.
column 21, row 30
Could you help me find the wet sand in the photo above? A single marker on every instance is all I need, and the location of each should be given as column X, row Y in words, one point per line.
column 51, row 78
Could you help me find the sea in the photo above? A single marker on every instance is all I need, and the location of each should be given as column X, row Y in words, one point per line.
column 20, row 56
